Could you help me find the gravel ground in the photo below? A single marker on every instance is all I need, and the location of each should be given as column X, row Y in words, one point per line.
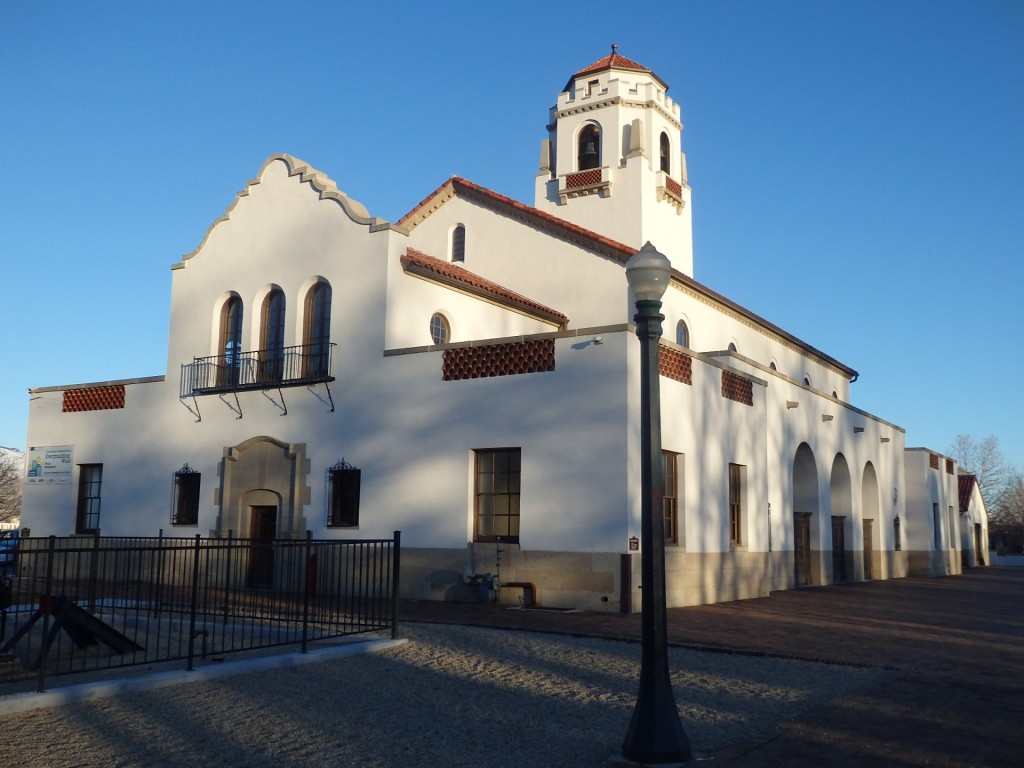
column 452, row 696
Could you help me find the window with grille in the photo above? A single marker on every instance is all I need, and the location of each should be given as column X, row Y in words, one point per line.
column 344, row 481
column 185, row 507
column 90, row 480
column 496, row 494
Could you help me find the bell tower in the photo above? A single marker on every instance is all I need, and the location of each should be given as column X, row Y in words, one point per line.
column 613, row 162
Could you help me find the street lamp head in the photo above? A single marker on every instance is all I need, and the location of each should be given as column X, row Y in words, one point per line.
column 648, row 272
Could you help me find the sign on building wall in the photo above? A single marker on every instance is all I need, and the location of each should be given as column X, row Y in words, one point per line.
column 49, row 465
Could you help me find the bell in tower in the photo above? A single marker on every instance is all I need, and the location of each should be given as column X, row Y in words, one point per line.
column 612, row 162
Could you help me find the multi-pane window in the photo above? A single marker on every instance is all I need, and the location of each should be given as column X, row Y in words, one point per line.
column 735, row 504
column 272, row 337
column 682, row 334
column 670, row 495
column 317, row 335
column 185, row 507
column 496, row 492
column 90, row 479
column 230, row 341
column 344, row 481
column 439, row 328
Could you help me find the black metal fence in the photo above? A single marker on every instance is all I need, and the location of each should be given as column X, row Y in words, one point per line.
column 82, row 604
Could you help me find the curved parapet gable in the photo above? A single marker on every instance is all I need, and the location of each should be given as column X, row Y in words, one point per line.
column 318, row 181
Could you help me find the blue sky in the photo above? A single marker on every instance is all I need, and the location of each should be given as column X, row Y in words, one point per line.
column 856, row 167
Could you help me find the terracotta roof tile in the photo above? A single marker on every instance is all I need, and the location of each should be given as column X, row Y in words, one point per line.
column 458, row 187
column 420, row 263
column 614, row 61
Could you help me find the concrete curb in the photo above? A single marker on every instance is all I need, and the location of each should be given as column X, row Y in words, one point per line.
column 22, row 702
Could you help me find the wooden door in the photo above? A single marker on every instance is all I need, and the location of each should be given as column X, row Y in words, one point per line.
column 262, row 532
column 869, row 549
column 838, row 549
column 802, row 547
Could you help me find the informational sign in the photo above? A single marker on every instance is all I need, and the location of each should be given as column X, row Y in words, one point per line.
column 50, row 465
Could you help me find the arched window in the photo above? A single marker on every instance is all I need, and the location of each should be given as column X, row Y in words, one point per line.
column 459, row 243
column 807, row 381
column 589, row 150
column 440, row 331
column 666, row 159
column 732, row 347
column 773, row 366
column 272, row 337
column 317, row 332
column 682, row 334
column 230, row 341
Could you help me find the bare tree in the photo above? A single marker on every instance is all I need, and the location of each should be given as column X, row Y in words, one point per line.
column 1006, row 520
column 10, row 486
column 985, row 461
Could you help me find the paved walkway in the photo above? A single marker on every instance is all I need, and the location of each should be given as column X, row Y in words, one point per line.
column 955, row 645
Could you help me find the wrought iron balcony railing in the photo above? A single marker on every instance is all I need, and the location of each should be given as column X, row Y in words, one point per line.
column 260, row 369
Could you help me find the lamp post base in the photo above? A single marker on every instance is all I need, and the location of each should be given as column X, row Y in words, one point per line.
column 621, row 761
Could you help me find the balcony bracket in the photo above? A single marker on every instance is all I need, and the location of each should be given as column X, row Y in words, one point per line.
column 282, row 405
column 193, row 411
column 329, row 401
column 237, row 407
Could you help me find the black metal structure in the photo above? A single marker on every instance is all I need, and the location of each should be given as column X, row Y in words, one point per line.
column 87, row 603
column 655, row 734
column 258, row 370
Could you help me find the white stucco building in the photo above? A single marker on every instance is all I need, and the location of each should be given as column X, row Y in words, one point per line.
column 469, row 375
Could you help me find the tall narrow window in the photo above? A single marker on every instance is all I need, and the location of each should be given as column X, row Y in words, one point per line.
column 459, row 243
column 230, row 341
column 185, row 507
column 317, row 337
column 496, row 492
column 682, row 334
column 344, row 480
column 90, row 479
column 670, row 495
column 272, row 337
column 439, row 329
column 665, row 149
column 589, row 150
column 736, row 504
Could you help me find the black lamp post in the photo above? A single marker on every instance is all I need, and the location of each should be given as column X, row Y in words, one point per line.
column 655, row 735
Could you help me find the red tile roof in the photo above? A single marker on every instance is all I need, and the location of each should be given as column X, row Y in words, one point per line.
column 615, row 61
column 966, row 483
column 590, row 240
column 452, row 274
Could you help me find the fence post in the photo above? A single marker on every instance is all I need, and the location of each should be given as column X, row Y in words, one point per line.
column 308, row 587
column 396, row 563
column 45, row 599
column 195, row 600
column 94, row 564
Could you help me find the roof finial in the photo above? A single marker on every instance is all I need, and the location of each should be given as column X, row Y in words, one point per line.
column 615, row 48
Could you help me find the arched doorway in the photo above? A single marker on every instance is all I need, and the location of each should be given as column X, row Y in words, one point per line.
column 870, row 514
column 805, row 514
column 841, row 502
